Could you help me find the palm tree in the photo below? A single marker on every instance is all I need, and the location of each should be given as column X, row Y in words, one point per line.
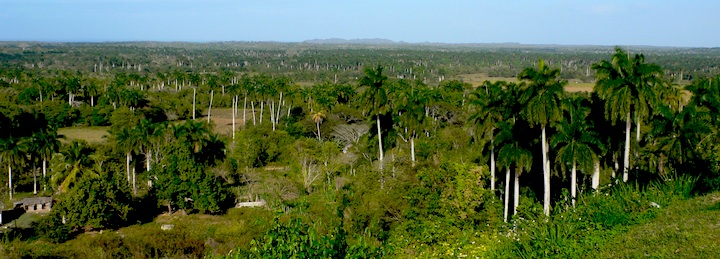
column 195, row 133
column 318, row 116
column 127, row 141
column 47, row 144
column 76, row 160
column 626, row 86
column 576, row 141
column 13, row 153
column 375, row 99
column 512, row 153
column 490, row 102
column 543, row 96
column 412, row 112
column 148, row 133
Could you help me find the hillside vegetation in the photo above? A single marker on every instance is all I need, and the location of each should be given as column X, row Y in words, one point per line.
column 359, row 151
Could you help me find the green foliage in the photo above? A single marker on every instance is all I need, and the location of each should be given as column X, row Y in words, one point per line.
column 297, row 240
column 60, row 114
column 95, row 202
column 183, row 181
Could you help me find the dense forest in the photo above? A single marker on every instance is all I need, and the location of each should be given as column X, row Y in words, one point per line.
column 352, row 150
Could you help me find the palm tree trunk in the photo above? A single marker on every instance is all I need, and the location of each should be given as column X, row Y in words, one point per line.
column 507, row 193
column 626, row 156
column 596, row 176
column 44, row 172
column 318, row 129
column 377, row 119
column 252, row 106
column 244, row 113
column 34, row 178
column 637, row 139
column 10, row 180
column 516, row 192
column 573, row 183
column 272, row 114
column 193, row 110
column 412, row 149
column 277, row 117
column 147, row 159
column 546, row 174
column 492, row 164
column 127, row 165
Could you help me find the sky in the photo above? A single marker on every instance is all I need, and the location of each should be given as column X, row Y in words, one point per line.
column 688, row 23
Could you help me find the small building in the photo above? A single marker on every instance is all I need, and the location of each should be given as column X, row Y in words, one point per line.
column 35, row 204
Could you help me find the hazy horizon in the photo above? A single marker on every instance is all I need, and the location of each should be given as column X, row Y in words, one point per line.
column 556, row 22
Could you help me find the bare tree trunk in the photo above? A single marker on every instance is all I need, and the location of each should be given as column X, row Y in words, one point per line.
column 626, row 156
column 193, row 110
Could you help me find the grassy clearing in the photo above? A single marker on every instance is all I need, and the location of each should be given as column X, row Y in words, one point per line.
column 91, row 134
column 685, row 229
column 574, row 85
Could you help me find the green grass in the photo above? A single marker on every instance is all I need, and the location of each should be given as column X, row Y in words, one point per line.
column 476, row 80
column 684, row 229
column 91, row 134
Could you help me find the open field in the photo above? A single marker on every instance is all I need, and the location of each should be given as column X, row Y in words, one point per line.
column 476, row 80
column 221, row 117
column 91, row 134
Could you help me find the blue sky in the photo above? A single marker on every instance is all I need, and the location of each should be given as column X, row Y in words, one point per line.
column 689, row 23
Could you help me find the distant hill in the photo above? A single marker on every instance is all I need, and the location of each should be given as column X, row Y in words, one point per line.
column 375, row 41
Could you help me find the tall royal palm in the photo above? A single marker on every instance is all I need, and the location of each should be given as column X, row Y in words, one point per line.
column 412, row 108
column 513, row 153
column 576, row 142
column 127, row 141
column 543, row 97
column 489, row 104
column 148, row 133
column 626, row 85
column 375, row 99
column 47, row 144
column 12, row 153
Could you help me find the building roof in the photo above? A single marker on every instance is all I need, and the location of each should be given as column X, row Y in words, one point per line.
column 33, row 201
